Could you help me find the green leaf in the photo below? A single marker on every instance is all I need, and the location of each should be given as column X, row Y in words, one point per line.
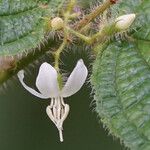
column 56, row 6
column 21, row 26
column 143, row 21
column 121, row 81
column 144, row 48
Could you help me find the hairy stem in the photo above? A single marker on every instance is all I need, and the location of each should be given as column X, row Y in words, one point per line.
column 88, row 18
column 79, row 35
column 101, row 35
column 58, row 52
column 62, row 46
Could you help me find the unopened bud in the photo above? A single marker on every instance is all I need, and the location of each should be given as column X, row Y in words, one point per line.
column 57, row 23
column 125, row 21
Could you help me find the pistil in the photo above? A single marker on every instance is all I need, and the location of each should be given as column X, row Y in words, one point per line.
column 58, row 112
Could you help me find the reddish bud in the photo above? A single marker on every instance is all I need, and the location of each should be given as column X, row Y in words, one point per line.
column 113, row 1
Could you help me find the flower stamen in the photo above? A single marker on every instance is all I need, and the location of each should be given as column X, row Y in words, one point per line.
column 58, row 112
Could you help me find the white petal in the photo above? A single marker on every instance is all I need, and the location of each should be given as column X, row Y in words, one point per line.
column 32, row 91
column 75, row 80
column 46, row 81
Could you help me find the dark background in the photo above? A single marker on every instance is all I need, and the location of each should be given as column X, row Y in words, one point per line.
column 24, row 125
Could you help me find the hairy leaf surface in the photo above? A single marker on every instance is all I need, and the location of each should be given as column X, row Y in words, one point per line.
column 121, row 80
column 21, row 26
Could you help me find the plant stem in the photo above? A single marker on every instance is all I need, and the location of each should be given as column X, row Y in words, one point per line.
column 79, row 35
column 88, row 18
column 62, row 46
column 89, row 40
column 70, row 6
column 58, row 52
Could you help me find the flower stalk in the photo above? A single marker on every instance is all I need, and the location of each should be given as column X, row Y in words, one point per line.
column 102, row 34
column 58, row 52
column 88, row 18
column 66, row 35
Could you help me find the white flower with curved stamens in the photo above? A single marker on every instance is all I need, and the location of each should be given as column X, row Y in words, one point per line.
column 47, row 84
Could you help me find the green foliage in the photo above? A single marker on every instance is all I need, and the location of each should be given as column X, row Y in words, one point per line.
column 26, row 63
column 142, row 11
column 121, row 81
column 143, row 21
column 56, row 5
column 121, row 72
column 21, row 26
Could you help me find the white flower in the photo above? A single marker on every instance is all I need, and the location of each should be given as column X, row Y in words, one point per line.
column 125, row 21
column 47, row 84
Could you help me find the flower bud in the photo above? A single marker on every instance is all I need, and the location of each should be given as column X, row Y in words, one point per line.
column 125, row 21
column 57, row 23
